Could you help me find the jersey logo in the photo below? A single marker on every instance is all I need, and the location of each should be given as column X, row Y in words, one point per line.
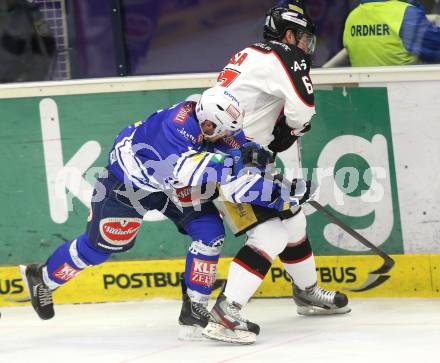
column 282, row 45
column 119, row 231
column 194, row 139
column 262, row 46
column 217, row 242
column 184, row 113
column 299, row 66
column 203, row 272
column 231, row 142
column 233, row 112
column 184, row 194
column 238, row 59
column 66, row 272
column 227, row 76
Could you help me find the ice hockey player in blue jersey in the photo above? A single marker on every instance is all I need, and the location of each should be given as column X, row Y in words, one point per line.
column 151, row 166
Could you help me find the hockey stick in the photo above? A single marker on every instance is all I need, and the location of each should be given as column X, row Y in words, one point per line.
column 376, row 277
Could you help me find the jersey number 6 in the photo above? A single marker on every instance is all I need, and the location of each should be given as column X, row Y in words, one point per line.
column 307, row 84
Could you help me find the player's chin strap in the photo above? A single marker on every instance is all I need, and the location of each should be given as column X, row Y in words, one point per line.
column 376, row 277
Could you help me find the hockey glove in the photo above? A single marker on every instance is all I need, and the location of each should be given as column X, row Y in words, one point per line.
column 304, row 190
column 249, row 153
column 255, row 154
column 237, row 160
column 307, row 127
column 283, row 136
column 300, row 192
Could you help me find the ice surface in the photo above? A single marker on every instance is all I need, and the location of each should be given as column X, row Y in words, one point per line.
column 377, row 330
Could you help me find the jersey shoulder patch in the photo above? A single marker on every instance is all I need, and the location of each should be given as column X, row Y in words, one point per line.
column 263, row 47
column 184, row 112
column 274, row 46
column 185, row 126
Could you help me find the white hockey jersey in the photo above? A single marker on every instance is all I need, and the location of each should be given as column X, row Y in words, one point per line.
column 270, row 78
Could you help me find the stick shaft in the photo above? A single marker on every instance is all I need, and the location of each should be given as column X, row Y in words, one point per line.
column 348, row 229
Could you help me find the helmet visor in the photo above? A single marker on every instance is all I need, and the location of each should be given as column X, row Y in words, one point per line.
column 307, row 42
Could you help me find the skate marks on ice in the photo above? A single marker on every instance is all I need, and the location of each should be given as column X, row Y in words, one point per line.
column 376, row 330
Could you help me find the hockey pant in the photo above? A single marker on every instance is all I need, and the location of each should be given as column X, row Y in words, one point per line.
column 114, row 221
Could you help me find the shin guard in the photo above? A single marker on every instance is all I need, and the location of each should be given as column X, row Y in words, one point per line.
column 70, row 259
column 299, row 262
column 201, row 271
column 246, row 273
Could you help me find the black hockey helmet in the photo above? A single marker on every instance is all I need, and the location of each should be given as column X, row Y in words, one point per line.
column 279, row 19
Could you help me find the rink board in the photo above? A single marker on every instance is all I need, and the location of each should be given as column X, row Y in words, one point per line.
column 412, row 276
column 376, row 177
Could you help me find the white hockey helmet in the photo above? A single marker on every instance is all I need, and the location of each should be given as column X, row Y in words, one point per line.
column 222, row 108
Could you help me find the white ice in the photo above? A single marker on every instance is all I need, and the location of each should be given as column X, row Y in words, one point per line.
column 376, row 331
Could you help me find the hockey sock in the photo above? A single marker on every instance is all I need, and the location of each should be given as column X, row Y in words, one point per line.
column 69, row 260
column 299, row 262
column 246, row 273
column 208, row 235
column 201, row 271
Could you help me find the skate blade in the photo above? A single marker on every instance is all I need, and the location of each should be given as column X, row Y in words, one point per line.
column 218, row 332
column 190, row 333
column 316, row 310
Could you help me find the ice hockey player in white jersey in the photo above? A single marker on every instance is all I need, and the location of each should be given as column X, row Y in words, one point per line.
column 272, row 78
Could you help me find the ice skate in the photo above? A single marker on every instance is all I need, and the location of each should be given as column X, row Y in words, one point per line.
column 315, row 300
column 227, row 324
column 192, row 320
column 39, row 293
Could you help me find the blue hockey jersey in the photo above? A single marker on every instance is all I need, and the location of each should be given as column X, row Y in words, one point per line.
column 168, row 150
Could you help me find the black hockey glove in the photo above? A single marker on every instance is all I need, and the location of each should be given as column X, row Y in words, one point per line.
column 300, row 191
column 255, row 154
column 301, row 132
column 249, row 153
column 283, row 137
column 304, row 190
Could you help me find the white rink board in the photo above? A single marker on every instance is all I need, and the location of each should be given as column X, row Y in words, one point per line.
column 377, row 330
column 415, row 124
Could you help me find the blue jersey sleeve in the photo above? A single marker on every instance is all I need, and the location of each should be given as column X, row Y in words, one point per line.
column 226, row 143
column 200, row 167
column 419, row 36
